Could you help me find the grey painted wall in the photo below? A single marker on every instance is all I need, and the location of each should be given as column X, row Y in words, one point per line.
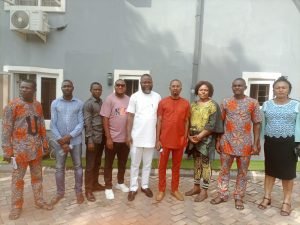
column 105, row 35
column 249, row 36
column 158, row 35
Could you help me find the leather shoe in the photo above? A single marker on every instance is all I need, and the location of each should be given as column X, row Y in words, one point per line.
column 80, row 198
column 56, row 199
column 177, row 195
column 98, row 187
column 147, row 192
column 131, row 195
column 90, row 196
column 160, row 195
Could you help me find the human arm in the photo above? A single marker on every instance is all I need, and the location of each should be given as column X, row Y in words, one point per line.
column 53, row 123
column 109, row 141
column 129, row 124
column 7, row 132
column 158, row 129
column 88, row 119
column 256, row 140
column 78, row 128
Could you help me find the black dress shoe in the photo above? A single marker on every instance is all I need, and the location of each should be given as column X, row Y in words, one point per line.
column 98, row 187
column 147, row 192
column 90, row 196
column 131, row 195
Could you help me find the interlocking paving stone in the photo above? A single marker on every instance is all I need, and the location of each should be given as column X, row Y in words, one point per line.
column 144, row 210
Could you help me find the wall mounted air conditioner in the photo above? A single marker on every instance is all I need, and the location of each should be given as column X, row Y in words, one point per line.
column 29, row 21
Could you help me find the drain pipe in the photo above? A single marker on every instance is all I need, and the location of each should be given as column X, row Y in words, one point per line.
column 197, row 45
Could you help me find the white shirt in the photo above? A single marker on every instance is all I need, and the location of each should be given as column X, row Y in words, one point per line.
column 144, row 107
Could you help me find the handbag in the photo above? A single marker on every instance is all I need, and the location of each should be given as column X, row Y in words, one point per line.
column 297, row 149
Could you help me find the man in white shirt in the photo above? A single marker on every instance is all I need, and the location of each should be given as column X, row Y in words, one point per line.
column 141, row 134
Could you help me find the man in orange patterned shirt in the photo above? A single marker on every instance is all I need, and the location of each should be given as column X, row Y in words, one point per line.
column 239, row 113
column 24, row 138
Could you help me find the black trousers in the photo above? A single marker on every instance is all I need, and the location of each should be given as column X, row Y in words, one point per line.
column 93, row 163
column 122, row 151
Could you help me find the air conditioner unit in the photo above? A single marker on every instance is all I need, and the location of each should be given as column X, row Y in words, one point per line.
column 27, row 21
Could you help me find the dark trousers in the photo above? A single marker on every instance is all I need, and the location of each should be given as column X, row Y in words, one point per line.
column 93, row 163
column 122, row 151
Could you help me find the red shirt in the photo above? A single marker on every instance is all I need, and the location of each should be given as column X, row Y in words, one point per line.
column 174, row 113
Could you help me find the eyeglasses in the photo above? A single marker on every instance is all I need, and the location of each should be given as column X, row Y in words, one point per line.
column 120, row 85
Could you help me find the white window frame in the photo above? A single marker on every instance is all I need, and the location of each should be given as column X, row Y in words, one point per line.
column 40, row 73
column 61, row 8
column 130, row 75
column 260, row 78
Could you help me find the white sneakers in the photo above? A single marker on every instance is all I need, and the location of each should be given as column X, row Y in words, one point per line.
column 122, row 187
column 109, row 194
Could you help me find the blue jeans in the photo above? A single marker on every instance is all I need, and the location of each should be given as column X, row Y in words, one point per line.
column 61, row 167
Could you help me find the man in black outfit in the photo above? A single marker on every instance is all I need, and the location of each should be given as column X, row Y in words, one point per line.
column 94, row 140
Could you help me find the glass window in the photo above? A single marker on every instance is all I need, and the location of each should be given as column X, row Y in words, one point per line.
column 132, row 86
column 48, row 90
column 260, row 92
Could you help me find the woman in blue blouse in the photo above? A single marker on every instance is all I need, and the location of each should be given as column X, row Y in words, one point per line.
column 281, row 130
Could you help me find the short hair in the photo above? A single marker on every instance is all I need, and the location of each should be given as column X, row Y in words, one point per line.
column 68, row 81
column 32, row 82
column 206, row 83
column 239, row 78
column 146, row 75
column 283, row 79
column 175, row 80
column 120, row 80
column 94, row 83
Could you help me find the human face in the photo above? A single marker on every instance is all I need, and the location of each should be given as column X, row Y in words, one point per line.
column 203, row 92
column 27, row 91
column 281, row 89
column 120, row 88
column 67, row 88
column 238, row 88
column 96, row 90
column 146, row 84
column 175, row 89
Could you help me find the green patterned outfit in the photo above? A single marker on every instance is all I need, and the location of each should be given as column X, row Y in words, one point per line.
column 206, row 116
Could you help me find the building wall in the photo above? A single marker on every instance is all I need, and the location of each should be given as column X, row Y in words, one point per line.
column 249, row 36
column 103, row 35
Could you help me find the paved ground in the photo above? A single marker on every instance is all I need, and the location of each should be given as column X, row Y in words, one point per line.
column 144, row 211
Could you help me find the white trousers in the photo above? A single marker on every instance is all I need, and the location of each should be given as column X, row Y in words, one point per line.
column 137, row 154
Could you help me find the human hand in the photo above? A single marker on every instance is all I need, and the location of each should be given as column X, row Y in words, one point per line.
column 158, row 145
column 7, row 159
column 129, row 140
column 109, row 144
column 91, row 147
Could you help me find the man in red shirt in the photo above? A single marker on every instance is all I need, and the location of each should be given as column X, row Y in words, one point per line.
column 171, row 136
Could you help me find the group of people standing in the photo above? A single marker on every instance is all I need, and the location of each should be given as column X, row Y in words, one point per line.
column 139, row 125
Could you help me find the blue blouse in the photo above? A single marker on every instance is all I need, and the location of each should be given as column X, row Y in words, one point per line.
column 282, row 120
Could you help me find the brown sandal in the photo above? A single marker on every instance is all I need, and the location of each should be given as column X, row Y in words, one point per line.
column 15, row 213
column 285, row 212
column 239, row 204
column 192, row 192
column 201, row 197
column 217, row 200
column 264, row 206
column 43, row 205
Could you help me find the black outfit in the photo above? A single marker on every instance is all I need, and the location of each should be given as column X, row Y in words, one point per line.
column 122, row 152
column 280, row 158
column 93, row 134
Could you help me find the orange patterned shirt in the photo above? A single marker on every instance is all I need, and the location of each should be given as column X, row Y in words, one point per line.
column 238, row 116
column 23, row 130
